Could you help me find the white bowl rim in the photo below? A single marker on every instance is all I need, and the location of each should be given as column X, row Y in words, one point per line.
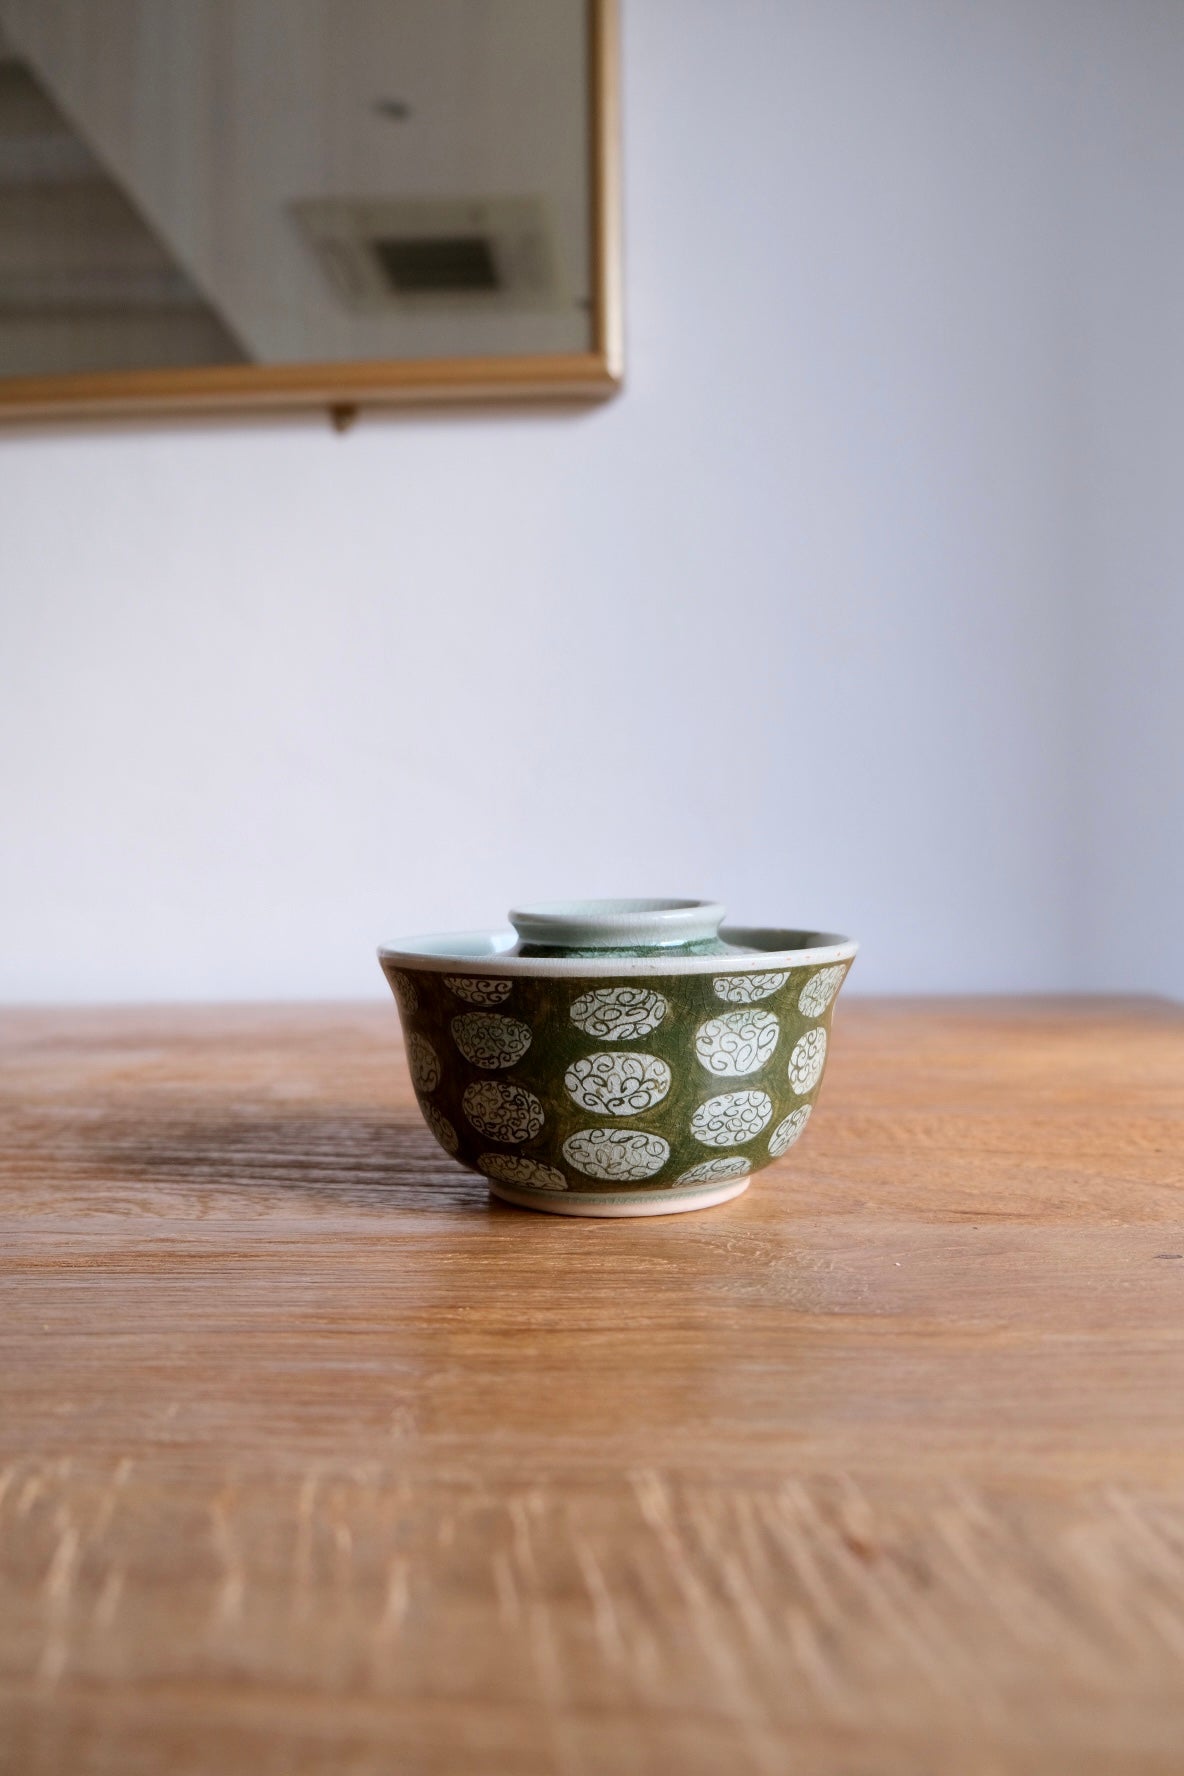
column 483, row 953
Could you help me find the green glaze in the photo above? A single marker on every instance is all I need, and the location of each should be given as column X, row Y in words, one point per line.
column 484, row 1032
column 709, row 946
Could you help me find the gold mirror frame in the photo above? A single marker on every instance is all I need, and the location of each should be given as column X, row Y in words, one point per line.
column 345, row 387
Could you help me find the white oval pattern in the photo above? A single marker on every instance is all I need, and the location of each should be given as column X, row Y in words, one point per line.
column 404, row 991
column 731, row 1118
column 807, row 1060
column 622, row 1155
column 528, row 1174
column 477, row 989
column 490, row 1040
column 714, row 1171
column 617, row 1084
column 820, row 989
column 619, row 1014
column 440, row 1127
column 423, row 1062
column 788, row 1131
column 502, row 1112
column 746, row 989
column 737, row 1042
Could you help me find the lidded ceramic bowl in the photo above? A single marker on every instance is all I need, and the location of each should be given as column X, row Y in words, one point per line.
column 617, row 1057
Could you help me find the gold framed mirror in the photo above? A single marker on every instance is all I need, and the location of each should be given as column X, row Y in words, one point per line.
column 209, row 204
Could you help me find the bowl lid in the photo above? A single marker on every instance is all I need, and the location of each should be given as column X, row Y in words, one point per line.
column 588, row 937
column 563, row 927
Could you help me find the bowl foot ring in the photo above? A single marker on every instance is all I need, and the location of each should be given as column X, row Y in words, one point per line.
column 622, row 1207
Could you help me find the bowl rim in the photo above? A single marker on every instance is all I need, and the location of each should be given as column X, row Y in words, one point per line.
column 485, row 953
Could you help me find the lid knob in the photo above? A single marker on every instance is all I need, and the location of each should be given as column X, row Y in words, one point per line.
column 617, row 924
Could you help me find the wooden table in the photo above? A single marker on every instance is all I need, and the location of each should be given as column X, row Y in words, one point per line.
column 314, row 1460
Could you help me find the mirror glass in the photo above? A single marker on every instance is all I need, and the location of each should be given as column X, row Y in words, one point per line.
column 271, row 182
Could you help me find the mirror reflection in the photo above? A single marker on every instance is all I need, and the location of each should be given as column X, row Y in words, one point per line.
column 220, row 182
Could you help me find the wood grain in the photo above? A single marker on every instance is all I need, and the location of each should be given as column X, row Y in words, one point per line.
column 312, row 1458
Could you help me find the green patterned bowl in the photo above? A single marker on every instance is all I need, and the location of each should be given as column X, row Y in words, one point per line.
column 617, row 1057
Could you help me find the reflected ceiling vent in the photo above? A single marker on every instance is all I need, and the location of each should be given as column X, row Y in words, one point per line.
column 490, row 254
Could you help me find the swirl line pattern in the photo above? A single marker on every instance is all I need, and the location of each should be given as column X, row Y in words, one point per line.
column 820, row 989
column 617, row 1084
column 732, row 1118
column 502, row 1112
column 528, row 1174
column 714, row 1171
column 807, row 1060
column 737, row 1042
column 477, row 989
column 490, row 1040
column 423, row 1062
column 619, row 1014
column 404, row 991
column 621, row 1155
column 789, row 1130
column 746, row 989
column 440, row 1126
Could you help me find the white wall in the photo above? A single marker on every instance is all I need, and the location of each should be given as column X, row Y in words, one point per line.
column 1130, row 566
column 813, row 618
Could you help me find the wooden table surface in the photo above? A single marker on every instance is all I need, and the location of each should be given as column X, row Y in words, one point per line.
column 313, row 1459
